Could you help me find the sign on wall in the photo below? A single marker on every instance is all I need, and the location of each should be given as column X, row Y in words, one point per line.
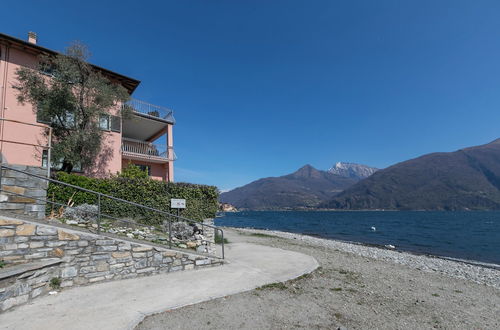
column 176, row 203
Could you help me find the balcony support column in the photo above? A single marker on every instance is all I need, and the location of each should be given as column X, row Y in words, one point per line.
column 170, row 148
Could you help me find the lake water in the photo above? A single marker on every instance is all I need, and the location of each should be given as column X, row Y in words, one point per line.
column 463, row 235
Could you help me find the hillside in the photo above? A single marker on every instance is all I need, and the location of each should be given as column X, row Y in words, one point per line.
column 305, row 188
column 465, row 179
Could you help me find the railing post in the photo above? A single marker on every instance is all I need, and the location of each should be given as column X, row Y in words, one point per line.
column 169, row 232
column 222, row 236
column 98, row 213
column 49, row 152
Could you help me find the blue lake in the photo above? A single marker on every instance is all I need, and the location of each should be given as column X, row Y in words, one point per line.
column 463, row 235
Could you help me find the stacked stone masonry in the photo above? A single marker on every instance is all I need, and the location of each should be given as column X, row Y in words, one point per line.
column 84, row 259
column 209, row 233
column 22, row 193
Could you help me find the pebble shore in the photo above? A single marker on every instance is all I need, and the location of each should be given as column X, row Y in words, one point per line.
column 457, row 269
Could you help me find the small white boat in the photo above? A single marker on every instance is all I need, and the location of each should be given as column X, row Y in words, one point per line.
column 373, row 228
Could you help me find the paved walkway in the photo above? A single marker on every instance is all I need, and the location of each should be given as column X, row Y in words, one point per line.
column 123, row 304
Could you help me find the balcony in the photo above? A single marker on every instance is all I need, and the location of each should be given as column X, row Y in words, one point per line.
column 147, row 122
column 147, row 151
column 151, row 111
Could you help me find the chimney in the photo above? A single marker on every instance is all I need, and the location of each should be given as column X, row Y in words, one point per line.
column 32, row 37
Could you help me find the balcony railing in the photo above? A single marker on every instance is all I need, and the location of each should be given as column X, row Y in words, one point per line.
column 147, row 150
column 150, row 109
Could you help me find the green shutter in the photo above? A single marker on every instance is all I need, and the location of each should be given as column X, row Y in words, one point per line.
column 116, row 123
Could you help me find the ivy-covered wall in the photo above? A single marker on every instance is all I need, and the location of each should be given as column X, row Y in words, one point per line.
column 201, row 200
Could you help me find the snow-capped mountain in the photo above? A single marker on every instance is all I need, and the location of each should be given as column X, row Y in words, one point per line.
column 352, row 170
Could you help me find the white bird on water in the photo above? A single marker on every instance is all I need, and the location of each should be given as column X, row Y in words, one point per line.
column 373, row 228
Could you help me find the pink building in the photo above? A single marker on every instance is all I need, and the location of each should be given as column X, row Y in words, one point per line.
column 146, row 139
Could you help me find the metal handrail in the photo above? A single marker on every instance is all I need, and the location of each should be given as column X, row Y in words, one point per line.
column 99, row 213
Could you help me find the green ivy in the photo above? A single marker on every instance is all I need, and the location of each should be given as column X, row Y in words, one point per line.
column 201, row 200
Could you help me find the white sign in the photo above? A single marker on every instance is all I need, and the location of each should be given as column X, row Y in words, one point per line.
column 178, row 203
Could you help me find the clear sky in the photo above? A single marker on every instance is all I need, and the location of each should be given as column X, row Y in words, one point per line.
column 260, row 88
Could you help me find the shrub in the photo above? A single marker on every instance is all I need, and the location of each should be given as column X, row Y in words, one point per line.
column 201, row 200
column 133, row 171
column 55, row 283
column 2, row 264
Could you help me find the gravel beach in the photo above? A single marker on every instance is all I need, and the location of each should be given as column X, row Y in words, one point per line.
column 356, row 287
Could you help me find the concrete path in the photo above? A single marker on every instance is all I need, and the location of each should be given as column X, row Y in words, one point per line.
column 123, row 304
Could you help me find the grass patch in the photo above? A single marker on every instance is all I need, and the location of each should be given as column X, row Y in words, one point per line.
column 349, row 275
column 260, row 235
column 218, row 238
column 301, row 277
column 336, row 289
column 277, row 285
column 435, row 294
column 2, row 264
column 458, row 291
column 55, row 283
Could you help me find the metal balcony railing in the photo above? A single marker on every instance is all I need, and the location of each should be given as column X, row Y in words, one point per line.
column 150, row 109
column 150, row 150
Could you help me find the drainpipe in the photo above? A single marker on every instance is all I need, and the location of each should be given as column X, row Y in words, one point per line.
column 170, row 154
column 3, row 93
column 49, row 151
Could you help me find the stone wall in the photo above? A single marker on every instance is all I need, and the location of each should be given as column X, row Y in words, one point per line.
column 29, row 187
column 85, row 258
column 209, row 234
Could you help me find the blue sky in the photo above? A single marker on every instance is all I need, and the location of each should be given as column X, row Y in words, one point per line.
column 260, row 88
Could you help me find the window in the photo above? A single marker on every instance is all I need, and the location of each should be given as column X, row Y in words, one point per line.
column 68, row 119
column 110, row 123
column 58, row 165
column 45, row 156
column 40, row 116
column 104, row 123
column 145, row 168
column 47, row 69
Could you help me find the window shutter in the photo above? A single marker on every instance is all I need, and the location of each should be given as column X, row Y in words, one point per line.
column 116, row 123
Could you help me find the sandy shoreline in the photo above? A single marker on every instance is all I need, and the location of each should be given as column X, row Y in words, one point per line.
column 356, row 287
column 481, row 273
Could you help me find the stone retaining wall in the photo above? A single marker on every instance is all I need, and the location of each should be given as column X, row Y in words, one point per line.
column 27, row 186
column 85, row 258
column 209, row 234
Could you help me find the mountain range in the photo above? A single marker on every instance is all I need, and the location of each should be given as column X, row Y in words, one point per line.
column 466, row 179
column 352, row 170
column 305, row 188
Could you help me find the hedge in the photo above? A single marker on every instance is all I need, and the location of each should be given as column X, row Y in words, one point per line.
column 201, row 200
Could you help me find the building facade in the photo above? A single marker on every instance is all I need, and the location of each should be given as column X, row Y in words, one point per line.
column 145, row 139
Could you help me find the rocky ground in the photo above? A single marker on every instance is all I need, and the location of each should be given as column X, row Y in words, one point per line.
column 356, row 287
column 184, row 235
